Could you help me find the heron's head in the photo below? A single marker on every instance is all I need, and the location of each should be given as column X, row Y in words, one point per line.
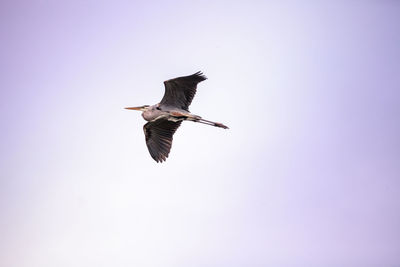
column 141, row 108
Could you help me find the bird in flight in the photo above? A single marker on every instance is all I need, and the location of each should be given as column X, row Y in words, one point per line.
column 165, row 117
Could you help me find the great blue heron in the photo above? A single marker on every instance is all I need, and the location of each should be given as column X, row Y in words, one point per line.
column 165, row 117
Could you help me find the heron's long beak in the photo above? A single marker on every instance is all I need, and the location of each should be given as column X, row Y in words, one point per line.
column 135, row 108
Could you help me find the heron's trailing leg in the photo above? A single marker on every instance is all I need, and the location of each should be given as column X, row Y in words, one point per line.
column 212, row 123
column 216, row 124
column 195, row 118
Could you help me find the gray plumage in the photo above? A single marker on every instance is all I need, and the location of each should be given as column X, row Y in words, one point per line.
column 165, row 117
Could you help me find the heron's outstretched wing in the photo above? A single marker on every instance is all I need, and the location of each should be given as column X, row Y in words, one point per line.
column 179, row 92
column 159, row 137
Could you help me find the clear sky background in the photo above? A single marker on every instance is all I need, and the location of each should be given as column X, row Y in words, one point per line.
column 307, row 175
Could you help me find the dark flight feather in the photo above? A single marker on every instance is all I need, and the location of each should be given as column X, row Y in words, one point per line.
column 179, row 92
column 159, row 136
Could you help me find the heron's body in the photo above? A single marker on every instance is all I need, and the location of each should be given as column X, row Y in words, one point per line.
column 153, row 112
column 158, row 111
column 165, row 117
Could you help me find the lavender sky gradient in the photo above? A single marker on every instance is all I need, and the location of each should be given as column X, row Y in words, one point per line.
column 308, row 174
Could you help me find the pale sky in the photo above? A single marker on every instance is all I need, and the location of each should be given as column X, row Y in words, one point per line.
column 307, row 174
